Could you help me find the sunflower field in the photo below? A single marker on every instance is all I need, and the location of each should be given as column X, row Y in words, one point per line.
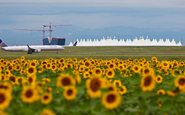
column 71, row 86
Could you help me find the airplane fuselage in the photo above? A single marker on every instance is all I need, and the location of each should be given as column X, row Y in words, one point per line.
column 37, row 47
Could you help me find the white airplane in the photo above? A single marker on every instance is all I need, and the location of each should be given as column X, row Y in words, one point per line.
column 32, row 48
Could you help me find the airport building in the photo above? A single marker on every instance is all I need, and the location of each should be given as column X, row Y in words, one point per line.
column 54, row 41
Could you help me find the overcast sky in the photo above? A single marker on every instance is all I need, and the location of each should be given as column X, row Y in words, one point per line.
column 92, row 18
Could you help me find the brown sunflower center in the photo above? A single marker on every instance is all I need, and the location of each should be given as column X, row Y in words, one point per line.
column 46, row 97
column 30, row 70
column 12, row 78
column 136, row 68
column 111, row 66
column 146, row 71
column 95, row 84
column 109, row 73
column 53, row 67
column 87, row 64
column 165, row 64
column 10, row 67
column 2, row 98
column 121, row 89
column 29, row 93
column 30, row 79
column 111, row 98
column 97, row 71
column 69, row 92
column 147, row 81
column 66, row 81
column 110, row 88
column 158, row 79
column 182, row 81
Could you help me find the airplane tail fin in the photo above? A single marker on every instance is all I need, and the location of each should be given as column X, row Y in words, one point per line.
column 2, row 44
column 75, row 43
column 30, row 50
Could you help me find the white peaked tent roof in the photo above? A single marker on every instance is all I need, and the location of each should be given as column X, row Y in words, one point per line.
column 128, row 42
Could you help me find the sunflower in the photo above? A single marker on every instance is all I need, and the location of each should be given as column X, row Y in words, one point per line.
column 136, row 69
column 97, row 72
column 65, row 80
column 112, row 66
column 122, row 89
column 111, row 100
column 165, row 65
column 5, row 99
column 47, row 112
column 154, row 59
column 180, row 82
column 46, row 98
column 17, row 67
column 175, row 64
column 32, row 79
column 48, row 66
column 161, row 92
column 10, row 67
column 33, row 63
column 81, row 68
column 8, row 73
column 70, row 93
column 147, row 71
column 94, row 84
column 6, row 86
column 158, row 79
column 49, row 89
column 148, row 82
column 29, row 94
column 111, row 87
column 87, row 63
column 176, row 72
column 2, row 77
column 170, row 93
column 12, row 79
column 86, row 74
column 31, row 71
column 110, row 73
column 53, row 67
column 117, row 83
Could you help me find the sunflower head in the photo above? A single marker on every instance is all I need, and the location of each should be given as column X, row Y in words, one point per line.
column 154, row 59
column 111, row 100
column 161, row 92
column 158, row 79
column 5, row 99
column 94, row 85
column 31, row 71
column 97, row 72
column 148, row 82
column 70, row 93
column 122, row 90
column 110, row 73
column 180, row 83
column 65, row 80
column 47, row 111
column 46, row 98
column 29, row 94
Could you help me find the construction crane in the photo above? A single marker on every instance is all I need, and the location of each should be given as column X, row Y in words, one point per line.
column 42, row 30
column 50, row 27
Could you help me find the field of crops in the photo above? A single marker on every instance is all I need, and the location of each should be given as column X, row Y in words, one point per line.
column 95, row 85
column 105, row 52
